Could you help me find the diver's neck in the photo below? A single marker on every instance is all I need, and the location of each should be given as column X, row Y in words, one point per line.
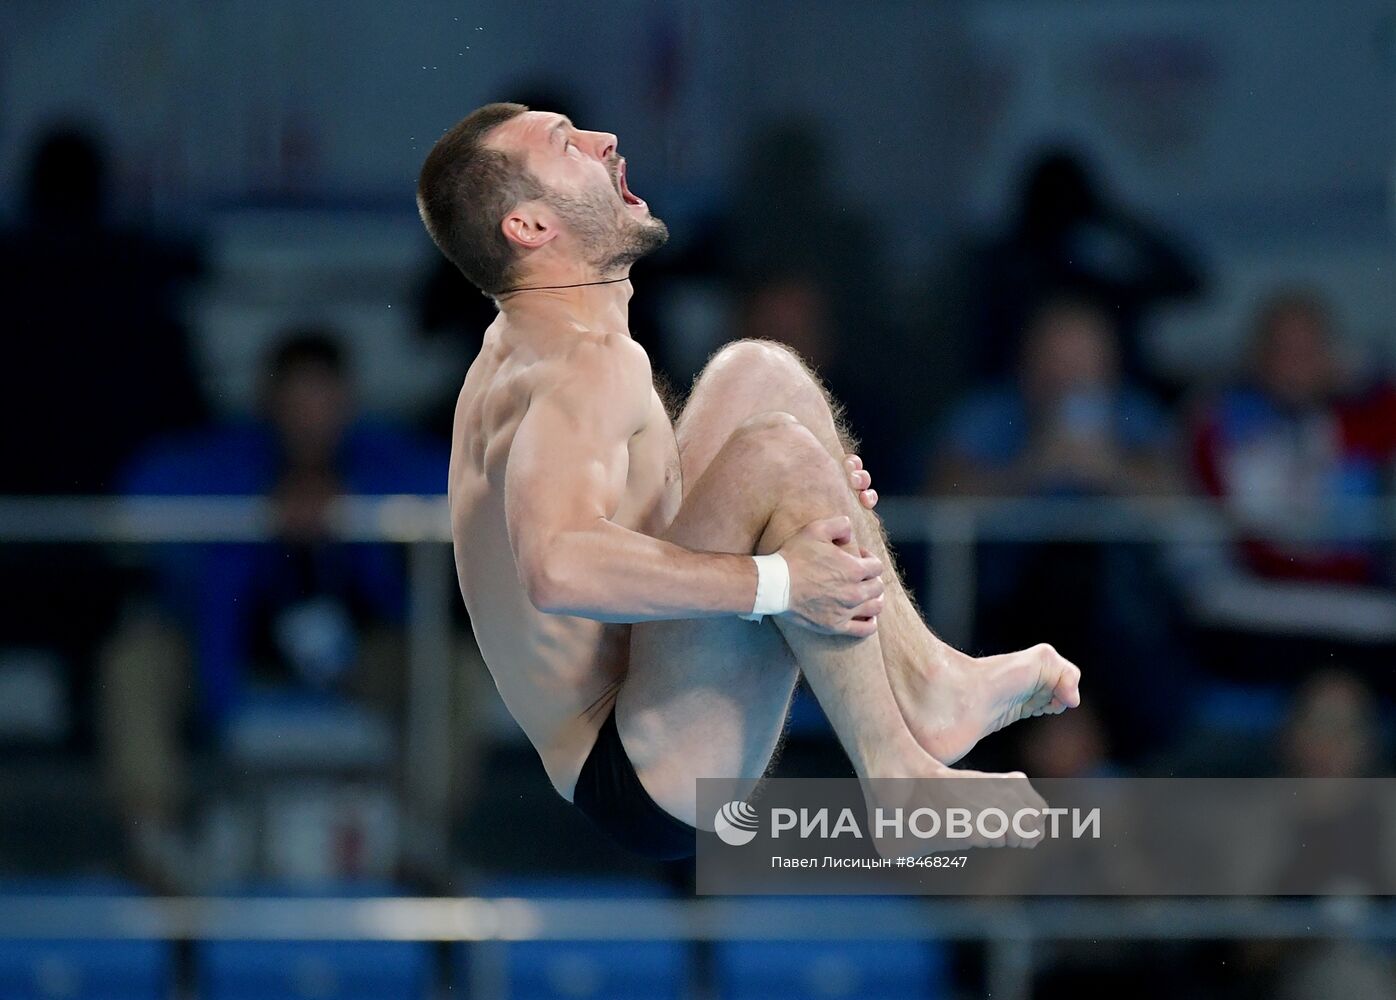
column 603, row 305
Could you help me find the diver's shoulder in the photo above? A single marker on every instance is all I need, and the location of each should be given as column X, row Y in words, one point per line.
column 607, row 354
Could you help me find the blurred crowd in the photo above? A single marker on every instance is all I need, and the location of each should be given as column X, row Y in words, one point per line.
column 177, row 674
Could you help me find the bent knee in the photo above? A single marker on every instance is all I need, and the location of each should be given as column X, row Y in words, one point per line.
column 775, row 428
column 757, row 360
column 779, row 440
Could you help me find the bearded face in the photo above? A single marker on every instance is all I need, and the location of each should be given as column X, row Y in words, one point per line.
column 581, row 177
column 612, row 230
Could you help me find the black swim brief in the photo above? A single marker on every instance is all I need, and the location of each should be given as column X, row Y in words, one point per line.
column 610, row 794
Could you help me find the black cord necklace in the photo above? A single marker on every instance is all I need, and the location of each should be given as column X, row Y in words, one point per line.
column 546, row 288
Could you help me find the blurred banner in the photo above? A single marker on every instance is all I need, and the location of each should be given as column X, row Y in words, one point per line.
column 1096, row 837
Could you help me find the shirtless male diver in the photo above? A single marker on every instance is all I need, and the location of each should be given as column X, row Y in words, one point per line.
column 608, row 556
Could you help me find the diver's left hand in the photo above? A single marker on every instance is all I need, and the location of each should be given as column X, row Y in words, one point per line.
column 860, row 480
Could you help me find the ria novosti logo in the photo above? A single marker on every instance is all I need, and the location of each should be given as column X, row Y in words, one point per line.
column 736, row 824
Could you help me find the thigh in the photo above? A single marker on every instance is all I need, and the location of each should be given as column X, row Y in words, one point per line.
column 707, row 698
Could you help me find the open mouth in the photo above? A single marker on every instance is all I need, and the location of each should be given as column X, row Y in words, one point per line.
column 624, row 189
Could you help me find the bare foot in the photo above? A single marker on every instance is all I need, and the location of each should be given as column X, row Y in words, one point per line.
column 963, row 699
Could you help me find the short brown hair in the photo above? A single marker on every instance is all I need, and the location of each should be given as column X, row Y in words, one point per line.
column 464, row 191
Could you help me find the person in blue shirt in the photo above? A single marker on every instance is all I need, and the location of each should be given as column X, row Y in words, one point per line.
column 300, row 614
column 1067, row 424
column 1070, row 424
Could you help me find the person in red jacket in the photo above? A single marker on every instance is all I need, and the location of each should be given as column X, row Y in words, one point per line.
column 1295, row 443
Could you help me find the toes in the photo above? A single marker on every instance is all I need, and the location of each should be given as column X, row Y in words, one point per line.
column 1068, row 690
column 1041, row 698
column 1066, row 686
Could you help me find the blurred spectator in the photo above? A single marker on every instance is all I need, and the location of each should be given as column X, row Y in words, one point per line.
column 1072, row 425
column 1294, row 442
column 1070, row 236
column 794, row 311
column 1332, row 733
column 1069, row 424
column 302, row 613
column 97, row 361
column 1333, row 729
column 1065, row 759
column 786, row 216
column 797, row 310
column 1297, row 455
column 788, row 226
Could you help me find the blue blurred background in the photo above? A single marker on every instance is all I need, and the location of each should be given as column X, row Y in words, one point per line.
column 1108, row 290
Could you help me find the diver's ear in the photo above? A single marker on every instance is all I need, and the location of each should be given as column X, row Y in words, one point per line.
column 530, row 225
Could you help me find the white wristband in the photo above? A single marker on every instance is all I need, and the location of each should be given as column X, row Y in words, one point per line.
column 772, row 587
